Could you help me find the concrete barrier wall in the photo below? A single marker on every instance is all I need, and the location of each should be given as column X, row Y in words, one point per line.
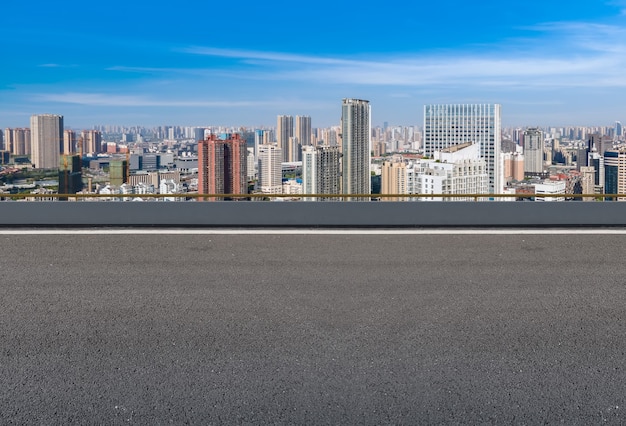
column 312, row 214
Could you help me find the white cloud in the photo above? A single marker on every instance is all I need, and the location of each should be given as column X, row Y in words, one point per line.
column 56, row 66
column 581, row 55
column 107, row 100
column 102, row 99
column 266, row 56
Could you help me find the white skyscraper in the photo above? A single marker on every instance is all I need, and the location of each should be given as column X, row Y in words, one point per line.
column 270, row 169
column 356, row 147
column 310, row 166
column 449, row 125
column 46, row 140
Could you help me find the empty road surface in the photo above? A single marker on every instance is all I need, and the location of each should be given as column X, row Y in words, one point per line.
column 310, row 329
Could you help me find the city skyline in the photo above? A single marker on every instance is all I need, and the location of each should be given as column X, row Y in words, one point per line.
column 545, row 63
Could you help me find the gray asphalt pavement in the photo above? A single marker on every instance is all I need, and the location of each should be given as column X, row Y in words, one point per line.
column 312, row 329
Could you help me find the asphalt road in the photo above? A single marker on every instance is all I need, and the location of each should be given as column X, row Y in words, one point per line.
column 312, row 329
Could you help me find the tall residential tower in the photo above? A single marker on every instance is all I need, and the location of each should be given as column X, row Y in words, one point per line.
column 284, row 131
column 533, row 151
column 270, row 169
column 303, row 130
column 355, row 137
column 222, row 165
column 321, row 173
column 46, row 140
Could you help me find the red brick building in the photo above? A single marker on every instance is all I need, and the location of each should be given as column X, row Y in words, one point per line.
column 222, row 166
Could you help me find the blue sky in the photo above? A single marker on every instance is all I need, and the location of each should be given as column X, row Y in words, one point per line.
column 242, row 63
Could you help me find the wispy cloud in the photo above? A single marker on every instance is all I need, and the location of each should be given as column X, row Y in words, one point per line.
column 265, row 56
column 56, row 66
column 526, row 71
column 108, row 100
column 158, row 70
column 103, row 99
column 589, row 55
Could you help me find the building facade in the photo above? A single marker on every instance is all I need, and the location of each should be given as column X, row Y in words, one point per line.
column 457, row 170
column 355, row 147
column 17, row 141
column 321, row 172
column 69, row 142
column 310, row 167
column 284, row 131
column 222, row 166
column 533, row 151
column 512, row 167
column 90, row 142
column 46, row 140
column 70, row 175
column 615, row 173
column 303, row 130
column 449, row 125
column 393, row 179
column 587, row 181
column 554, row 188
column 270, row 172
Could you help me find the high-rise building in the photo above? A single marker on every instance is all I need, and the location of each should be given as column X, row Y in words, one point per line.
column 7, row 144
column 293, row 150
column 321, row 171
column 618, row 130
column 587, row 181
column 69, row 142
column 615, row 173
column 91, row 142
column 310, row 167
column 284, row 131
column 5, row 157
column 70, row 175
column 18, row 141
column 222, row 165
column 46, row 140
column 329, row 174
column 303, row 130
column 259, row 136
column 198, row 133
column 601, row 143
column 270, row 170
column 512, row 167
column 251, row 167
column 356, row 154
column 596, row 161
column 393, row 179
column 449, row 125
column 328, row 137
column 533, row 151
column 118, row 172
